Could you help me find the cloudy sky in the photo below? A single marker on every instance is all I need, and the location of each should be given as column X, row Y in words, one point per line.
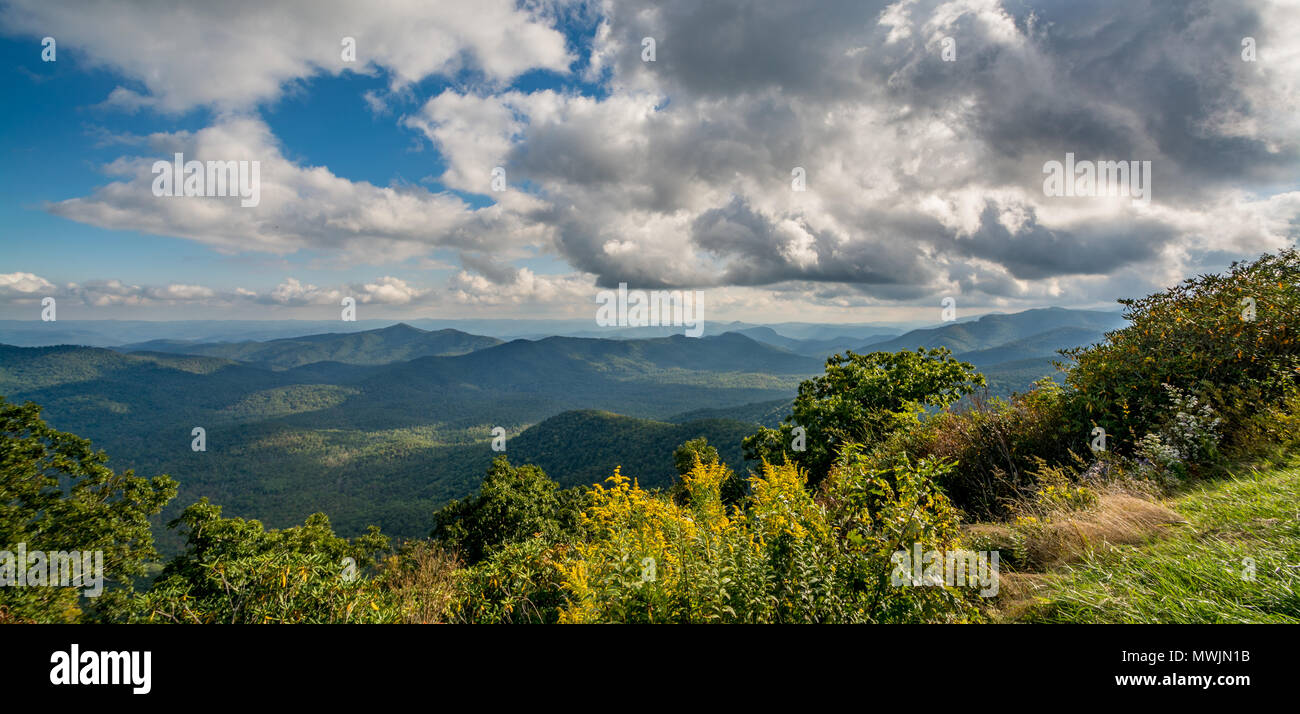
column 918, row 129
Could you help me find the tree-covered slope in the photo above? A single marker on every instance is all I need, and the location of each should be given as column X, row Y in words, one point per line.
column 390, row 344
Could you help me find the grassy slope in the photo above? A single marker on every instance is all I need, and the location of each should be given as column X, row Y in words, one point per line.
column 1195, row 575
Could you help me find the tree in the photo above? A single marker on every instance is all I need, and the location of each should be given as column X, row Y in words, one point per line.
column 514, row 503
column 862, row 399
column 57, row 495
column 234, row 571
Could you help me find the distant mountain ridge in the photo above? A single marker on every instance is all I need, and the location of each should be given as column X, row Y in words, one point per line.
column 395, row 343
column 997, row 330
column 1043, row 344
column 820, row 348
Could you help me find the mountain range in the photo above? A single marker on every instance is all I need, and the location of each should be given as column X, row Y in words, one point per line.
column 389, row 344
column 384, row 425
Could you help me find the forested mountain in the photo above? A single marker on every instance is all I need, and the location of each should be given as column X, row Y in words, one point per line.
column 992, row 331
column 820, row 348
column 1043, row 345
column 384, row 425
column 387, row 444
column 769, row 413
column 583, row 447
column 382, row 346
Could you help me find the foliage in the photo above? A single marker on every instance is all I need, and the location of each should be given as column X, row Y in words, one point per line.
column 234, row 571
column 57, row 494
column 1186, row 440
column 697, row 450
column 863, row 399
column 520, row 583
column 994, row 445
column 784, row 558
column 515, row 503
column 880, row 511
column 1230, row 338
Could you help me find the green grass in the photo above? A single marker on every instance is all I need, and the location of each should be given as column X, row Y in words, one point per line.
column 1195, row 575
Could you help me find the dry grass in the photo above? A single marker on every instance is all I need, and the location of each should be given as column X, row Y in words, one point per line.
column 1017, row 595
column 1116, row 519
column 423, row 582
column 1122, row 516
column 1233, row 562
column 1061, row 537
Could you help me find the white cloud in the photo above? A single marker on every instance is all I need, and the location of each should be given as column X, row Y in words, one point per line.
column 924, row 176
column 300, row 206
column 235, row 54
column 23, row 285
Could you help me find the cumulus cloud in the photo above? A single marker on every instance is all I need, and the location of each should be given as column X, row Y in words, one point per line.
column 23, row 285
column 524, row 288
column 386, row 290
column 23, row 288
column 185, row 61
column 924, row 177
column 299, row 206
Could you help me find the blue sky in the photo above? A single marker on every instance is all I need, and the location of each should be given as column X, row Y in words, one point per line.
column 667, row 170
column 62, row 138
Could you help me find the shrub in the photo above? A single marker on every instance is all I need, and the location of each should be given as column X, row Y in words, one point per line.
column 993, row 447
column 1229, row 338
column 518, row 583
column 685, row 457
column 234, row 571
column 420, row 582
column 880, row 511
column 785, row 558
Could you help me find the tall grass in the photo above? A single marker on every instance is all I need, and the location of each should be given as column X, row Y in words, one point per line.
column 1201, row 572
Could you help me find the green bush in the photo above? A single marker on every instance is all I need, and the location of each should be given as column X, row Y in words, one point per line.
column 863, row 399
column 993, row 446
column 1207, row 338
column 513, row 505
column 233, row 571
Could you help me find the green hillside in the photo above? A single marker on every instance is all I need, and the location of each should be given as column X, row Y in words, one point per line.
column 1041, row 345
column 767, row 414
column 580, row 448
column 390, row 344
column 387, row 444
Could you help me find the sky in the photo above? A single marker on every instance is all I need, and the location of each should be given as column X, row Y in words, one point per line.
column 822, row 162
